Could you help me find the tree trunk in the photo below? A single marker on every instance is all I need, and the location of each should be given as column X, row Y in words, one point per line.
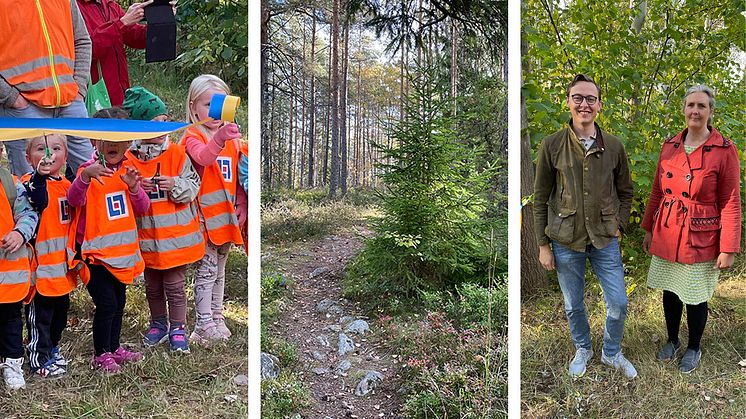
column 312, row 105
column 533, row 275
column 265, row 135
column 343, row 111
column 291, row 118
column 334, row 172
column 325, row 174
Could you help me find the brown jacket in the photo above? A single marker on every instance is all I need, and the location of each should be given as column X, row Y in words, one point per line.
column 694, row 211
column 581, row 197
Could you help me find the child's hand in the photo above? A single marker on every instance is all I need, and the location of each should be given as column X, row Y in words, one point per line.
column 147, row 184
column 12, row 241
column 131, row 178
column 241, row 215
column 166, row 183
column 225, row 133
column 44, row 167
column 95, row 171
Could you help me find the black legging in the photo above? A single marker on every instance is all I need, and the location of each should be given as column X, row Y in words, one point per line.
column 109, row 296
column 696, row 317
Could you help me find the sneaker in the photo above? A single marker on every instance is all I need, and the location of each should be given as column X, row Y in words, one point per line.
column 13, row 373
column 122, row 356
column 206, row 334
column 577, row 365
column 222, row 328
column 619, row 362
column 157, row 334
column 178, row 340
column 105, row 364
column 690, row 360
column 58, row 358
column 49, row 370
column 669, row 351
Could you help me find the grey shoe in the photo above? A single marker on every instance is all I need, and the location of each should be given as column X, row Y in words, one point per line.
column 619, row 362
column 669, row 351
column 577, row 365
column 690, row 360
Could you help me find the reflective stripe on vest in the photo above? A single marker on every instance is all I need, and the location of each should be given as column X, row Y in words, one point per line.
column 42, row 68
column 49, row 268
column 15, row 277
column 110, row 236
column 216, row 194
column 170, row 233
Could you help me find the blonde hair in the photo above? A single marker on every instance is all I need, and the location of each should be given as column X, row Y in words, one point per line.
column 200, row 85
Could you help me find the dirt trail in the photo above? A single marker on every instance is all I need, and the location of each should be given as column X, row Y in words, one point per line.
column 316, row 268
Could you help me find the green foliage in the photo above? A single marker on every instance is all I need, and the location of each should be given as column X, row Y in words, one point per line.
column 431, row 235
column 471, row 305
column 643, row 66
column 284, row 396
column 212, row 37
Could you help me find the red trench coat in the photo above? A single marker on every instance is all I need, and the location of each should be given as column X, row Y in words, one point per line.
column 694, row 210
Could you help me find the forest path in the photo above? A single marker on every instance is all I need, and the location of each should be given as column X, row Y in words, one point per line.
column 315, row 317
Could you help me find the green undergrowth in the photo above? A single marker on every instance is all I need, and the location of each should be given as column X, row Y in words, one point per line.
column 164, row 385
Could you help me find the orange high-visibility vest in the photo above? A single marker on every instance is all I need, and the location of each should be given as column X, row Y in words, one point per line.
column 49, row 267
column 217, row 194
column 37, row 56
column 110, row 236
column 170, row 233
column 15, row 269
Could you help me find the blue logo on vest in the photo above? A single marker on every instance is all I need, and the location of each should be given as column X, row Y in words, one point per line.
column 226, row 168
column 157, row 195
column 116, row 205
column 64, row 210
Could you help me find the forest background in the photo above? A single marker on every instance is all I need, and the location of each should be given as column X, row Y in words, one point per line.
column 644, row 55
column 390, row 118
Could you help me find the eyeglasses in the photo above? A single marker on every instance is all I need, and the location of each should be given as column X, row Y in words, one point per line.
column 578, row 99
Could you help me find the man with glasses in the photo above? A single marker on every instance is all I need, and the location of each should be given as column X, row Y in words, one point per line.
column 582, row 195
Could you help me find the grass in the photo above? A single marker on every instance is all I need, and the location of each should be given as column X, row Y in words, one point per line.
column 163, row 385
column 717, row 388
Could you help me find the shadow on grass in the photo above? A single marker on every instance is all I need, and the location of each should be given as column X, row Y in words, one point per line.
column 716, row 389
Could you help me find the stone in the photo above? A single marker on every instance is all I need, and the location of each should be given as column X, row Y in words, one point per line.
column 241, row 380
column 270, row 366
column 371, row 380
column 358, row 326
column 319, row 271
column 328, row 306
column 344, row 321
column 345, row 344
column 322, row 340
column 344, row 365
column 318, row 356
column 333, row 328
column 320, row 371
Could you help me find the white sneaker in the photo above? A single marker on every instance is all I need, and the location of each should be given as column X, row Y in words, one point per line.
column 619, row 362
column 13, row 373
column 577, row 365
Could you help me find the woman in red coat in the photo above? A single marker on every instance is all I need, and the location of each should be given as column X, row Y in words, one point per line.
column 693, row 222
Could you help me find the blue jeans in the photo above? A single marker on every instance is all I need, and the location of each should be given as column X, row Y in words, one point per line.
column 607, row 265
column 79, row 150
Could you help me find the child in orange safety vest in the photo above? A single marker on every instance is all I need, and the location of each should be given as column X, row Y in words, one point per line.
column 214, row 150
column 46, row 312
column 170, row 233
column 18, row 221
column 108, row 195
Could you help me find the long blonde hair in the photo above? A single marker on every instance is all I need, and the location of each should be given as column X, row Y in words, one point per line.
column 200, row 85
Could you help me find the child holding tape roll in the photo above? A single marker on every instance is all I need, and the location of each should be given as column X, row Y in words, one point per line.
column 214, row 150
column 108, row 195
column 170, row 234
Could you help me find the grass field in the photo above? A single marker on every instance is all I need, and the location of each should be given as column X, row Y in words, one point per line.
column 197, row 385
column 717, row 388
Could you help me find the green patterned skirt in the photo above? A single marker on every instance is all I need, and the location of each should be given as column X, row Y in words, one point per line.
column 693, row 283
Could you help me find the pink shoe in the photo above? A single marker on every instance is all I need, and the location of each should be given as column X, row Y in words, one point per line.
column 206, row 334
column 222, row 328
column 122, row 356
column 105, row 364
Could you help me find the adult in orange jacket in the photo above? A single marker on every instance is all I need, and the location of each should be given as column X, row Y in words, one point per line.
column 692, row 222
column 45, row 57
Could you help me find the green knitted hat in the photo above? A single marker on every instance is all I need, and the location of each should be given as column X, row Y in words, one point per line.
column 142, row 104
